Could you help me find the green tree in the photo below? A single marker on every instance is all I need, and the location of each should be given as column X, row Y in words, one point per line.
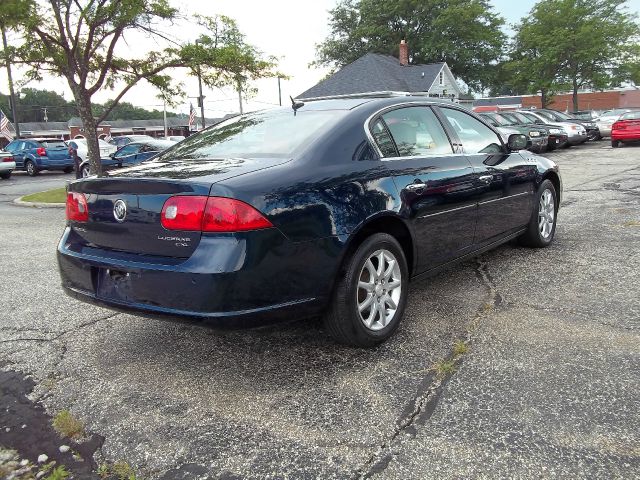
column 576, row 43
column 464, row 33
column 80, row 40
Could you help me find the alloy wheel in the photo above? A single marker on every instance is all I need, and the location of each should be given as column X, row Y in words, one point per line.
column 31, row 170
column 379, row 289
column 546, row 214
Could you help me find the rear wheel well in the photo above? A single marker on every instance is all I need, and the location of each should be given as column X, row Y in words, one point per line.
column 390, row 225
column 553, row 176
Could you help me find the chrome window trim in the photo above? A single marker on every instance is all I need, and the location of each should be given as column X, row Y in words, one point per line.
column 473, row 205
column 505, row 198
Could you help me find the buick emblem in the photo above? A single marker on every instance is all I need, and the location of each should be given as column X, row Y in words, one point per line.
column 119, row 210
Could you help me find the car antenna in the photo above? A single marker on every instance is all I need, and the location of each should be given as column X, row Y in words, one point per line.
column 295, row 105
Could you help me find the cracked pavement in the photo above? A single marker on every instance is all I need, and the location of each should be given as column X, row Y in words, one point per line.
column 547, row 389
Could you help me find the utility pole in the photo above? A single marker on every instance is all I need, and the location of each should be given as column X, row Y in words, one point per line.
column 201, row 97
column 46, row 117
column 279, row 93
column 12, row 95
column 240, row 94
column 164, row 116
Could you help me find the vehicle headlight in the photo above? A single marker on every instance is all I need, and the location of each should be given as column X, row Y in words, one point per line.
column 534, row 134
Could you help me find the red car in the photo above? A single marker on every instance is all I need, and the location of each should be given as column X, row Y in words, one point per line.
column 626, row 129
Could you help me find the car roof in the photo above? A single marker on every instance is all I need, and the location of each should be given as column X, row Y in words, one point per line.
column 40, row 139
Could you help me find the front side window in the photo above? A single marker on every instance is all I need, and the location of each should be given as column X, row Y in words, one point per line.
column 127, row 150
column 417, row 132
column 476, row 137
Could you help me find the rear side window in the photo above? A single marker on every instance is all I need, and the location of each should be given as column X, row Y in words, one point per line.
column 417, row 132
column 383, row 139
column 476, row 137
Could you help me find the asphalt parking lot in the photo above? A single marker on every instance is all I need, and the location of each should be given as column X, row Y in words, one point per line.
column 548, row 387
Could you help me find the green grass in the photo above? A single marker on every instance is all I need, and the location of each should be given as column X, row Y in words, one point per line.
column 445, row 367
column 58, row 195
column 67, row 425
column 58, row 473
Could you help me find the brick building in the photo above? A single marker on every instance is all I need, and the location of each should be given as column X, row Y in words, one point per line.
column 604, row 100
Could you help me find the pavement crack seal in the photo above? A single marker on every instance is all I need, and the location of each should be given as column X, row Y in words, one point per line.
column 423, row 405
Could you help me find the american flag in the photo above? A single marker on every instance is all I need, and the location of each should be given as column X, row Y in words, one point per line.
column 192, row 116
column 4, row 127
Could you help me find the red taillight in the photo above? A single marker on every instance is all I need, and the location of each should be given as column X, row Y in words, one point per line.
column 7, row 159
column 183, row 213
column 229, row 215
column 77, row 208
column 211, row 214
column 41, row 151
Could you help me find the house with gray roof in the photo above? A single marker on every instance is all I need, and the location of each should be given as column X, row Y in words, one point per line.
column 375, row 72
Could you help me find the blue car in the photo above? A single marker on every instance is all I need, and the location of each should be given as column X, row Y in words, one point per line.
column 131, row 154
column 37, row 154
column 327, row 208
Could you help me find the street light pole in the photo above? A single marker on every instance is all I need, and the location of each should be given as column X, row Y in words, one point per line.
column 12, row 95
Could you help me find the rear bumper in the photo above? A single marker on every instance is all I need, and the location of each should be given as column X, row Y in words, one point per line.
column 238, row 279
column 7, row 166
column 43, row 163
column 576, row 138
column 623, row 136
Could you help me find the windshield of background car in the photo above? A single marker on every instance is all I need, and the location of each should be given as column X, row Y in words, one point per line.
column 630, row 116
column 53, row 144
column 503, row 121
column 561, row 116
column 531, row 118
column 275, row 133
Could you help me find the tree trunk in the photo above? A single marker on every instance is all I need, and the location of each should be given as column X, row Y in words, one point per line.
column 90, row 130
column 575, row 95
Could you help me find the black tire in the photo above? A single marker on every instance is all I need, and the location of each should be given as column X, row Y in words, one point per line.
column 5, row 175
column 342, row 319
column 31, row 168
column 533, row 237
column 68, row 170
column 615, row 143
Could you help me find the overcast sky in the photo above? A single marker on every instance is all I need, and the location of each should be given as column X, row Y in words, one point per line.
column 287, row 29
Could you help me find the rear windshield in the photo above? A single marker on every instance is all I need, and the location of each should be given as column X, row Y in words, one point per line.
column 631, row 116
column 53, row 144
column 276, row 133
column 502, row 120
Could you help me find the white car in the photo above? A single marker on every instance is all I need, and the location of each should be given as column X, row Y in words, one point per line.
column 176, row 138
column 7, row 165
column 106, row 149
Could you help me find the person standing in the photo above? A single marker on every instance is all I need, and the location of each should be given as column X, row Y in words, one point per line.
column 73, row 151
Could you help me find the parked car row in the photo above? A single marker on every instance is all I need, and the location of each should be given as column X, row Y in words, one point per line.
column 34, row 155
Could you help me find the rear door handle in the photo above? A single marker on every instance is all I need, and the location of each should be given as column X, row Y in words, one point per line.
column 416, row 187
column 485, row 178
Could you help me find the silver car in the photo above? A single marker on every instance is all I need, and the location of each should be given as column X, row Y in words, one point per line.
column 7, row 165
column 608, row 118
column 576, row 133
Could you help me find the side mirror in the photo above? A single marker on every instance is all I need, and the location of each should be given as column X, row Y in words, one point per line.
column 112, row 155
column 517, row 141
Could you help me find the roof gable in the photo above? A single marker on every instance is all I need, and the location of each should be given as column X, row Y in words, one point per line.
column 374, row 72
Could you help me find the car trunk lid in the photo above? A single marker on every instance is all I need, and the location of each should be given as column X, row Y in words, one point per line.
column 124, row 215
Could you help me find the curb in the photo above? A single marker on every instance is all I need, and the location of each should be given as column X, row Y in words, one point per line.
column 19, row 202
